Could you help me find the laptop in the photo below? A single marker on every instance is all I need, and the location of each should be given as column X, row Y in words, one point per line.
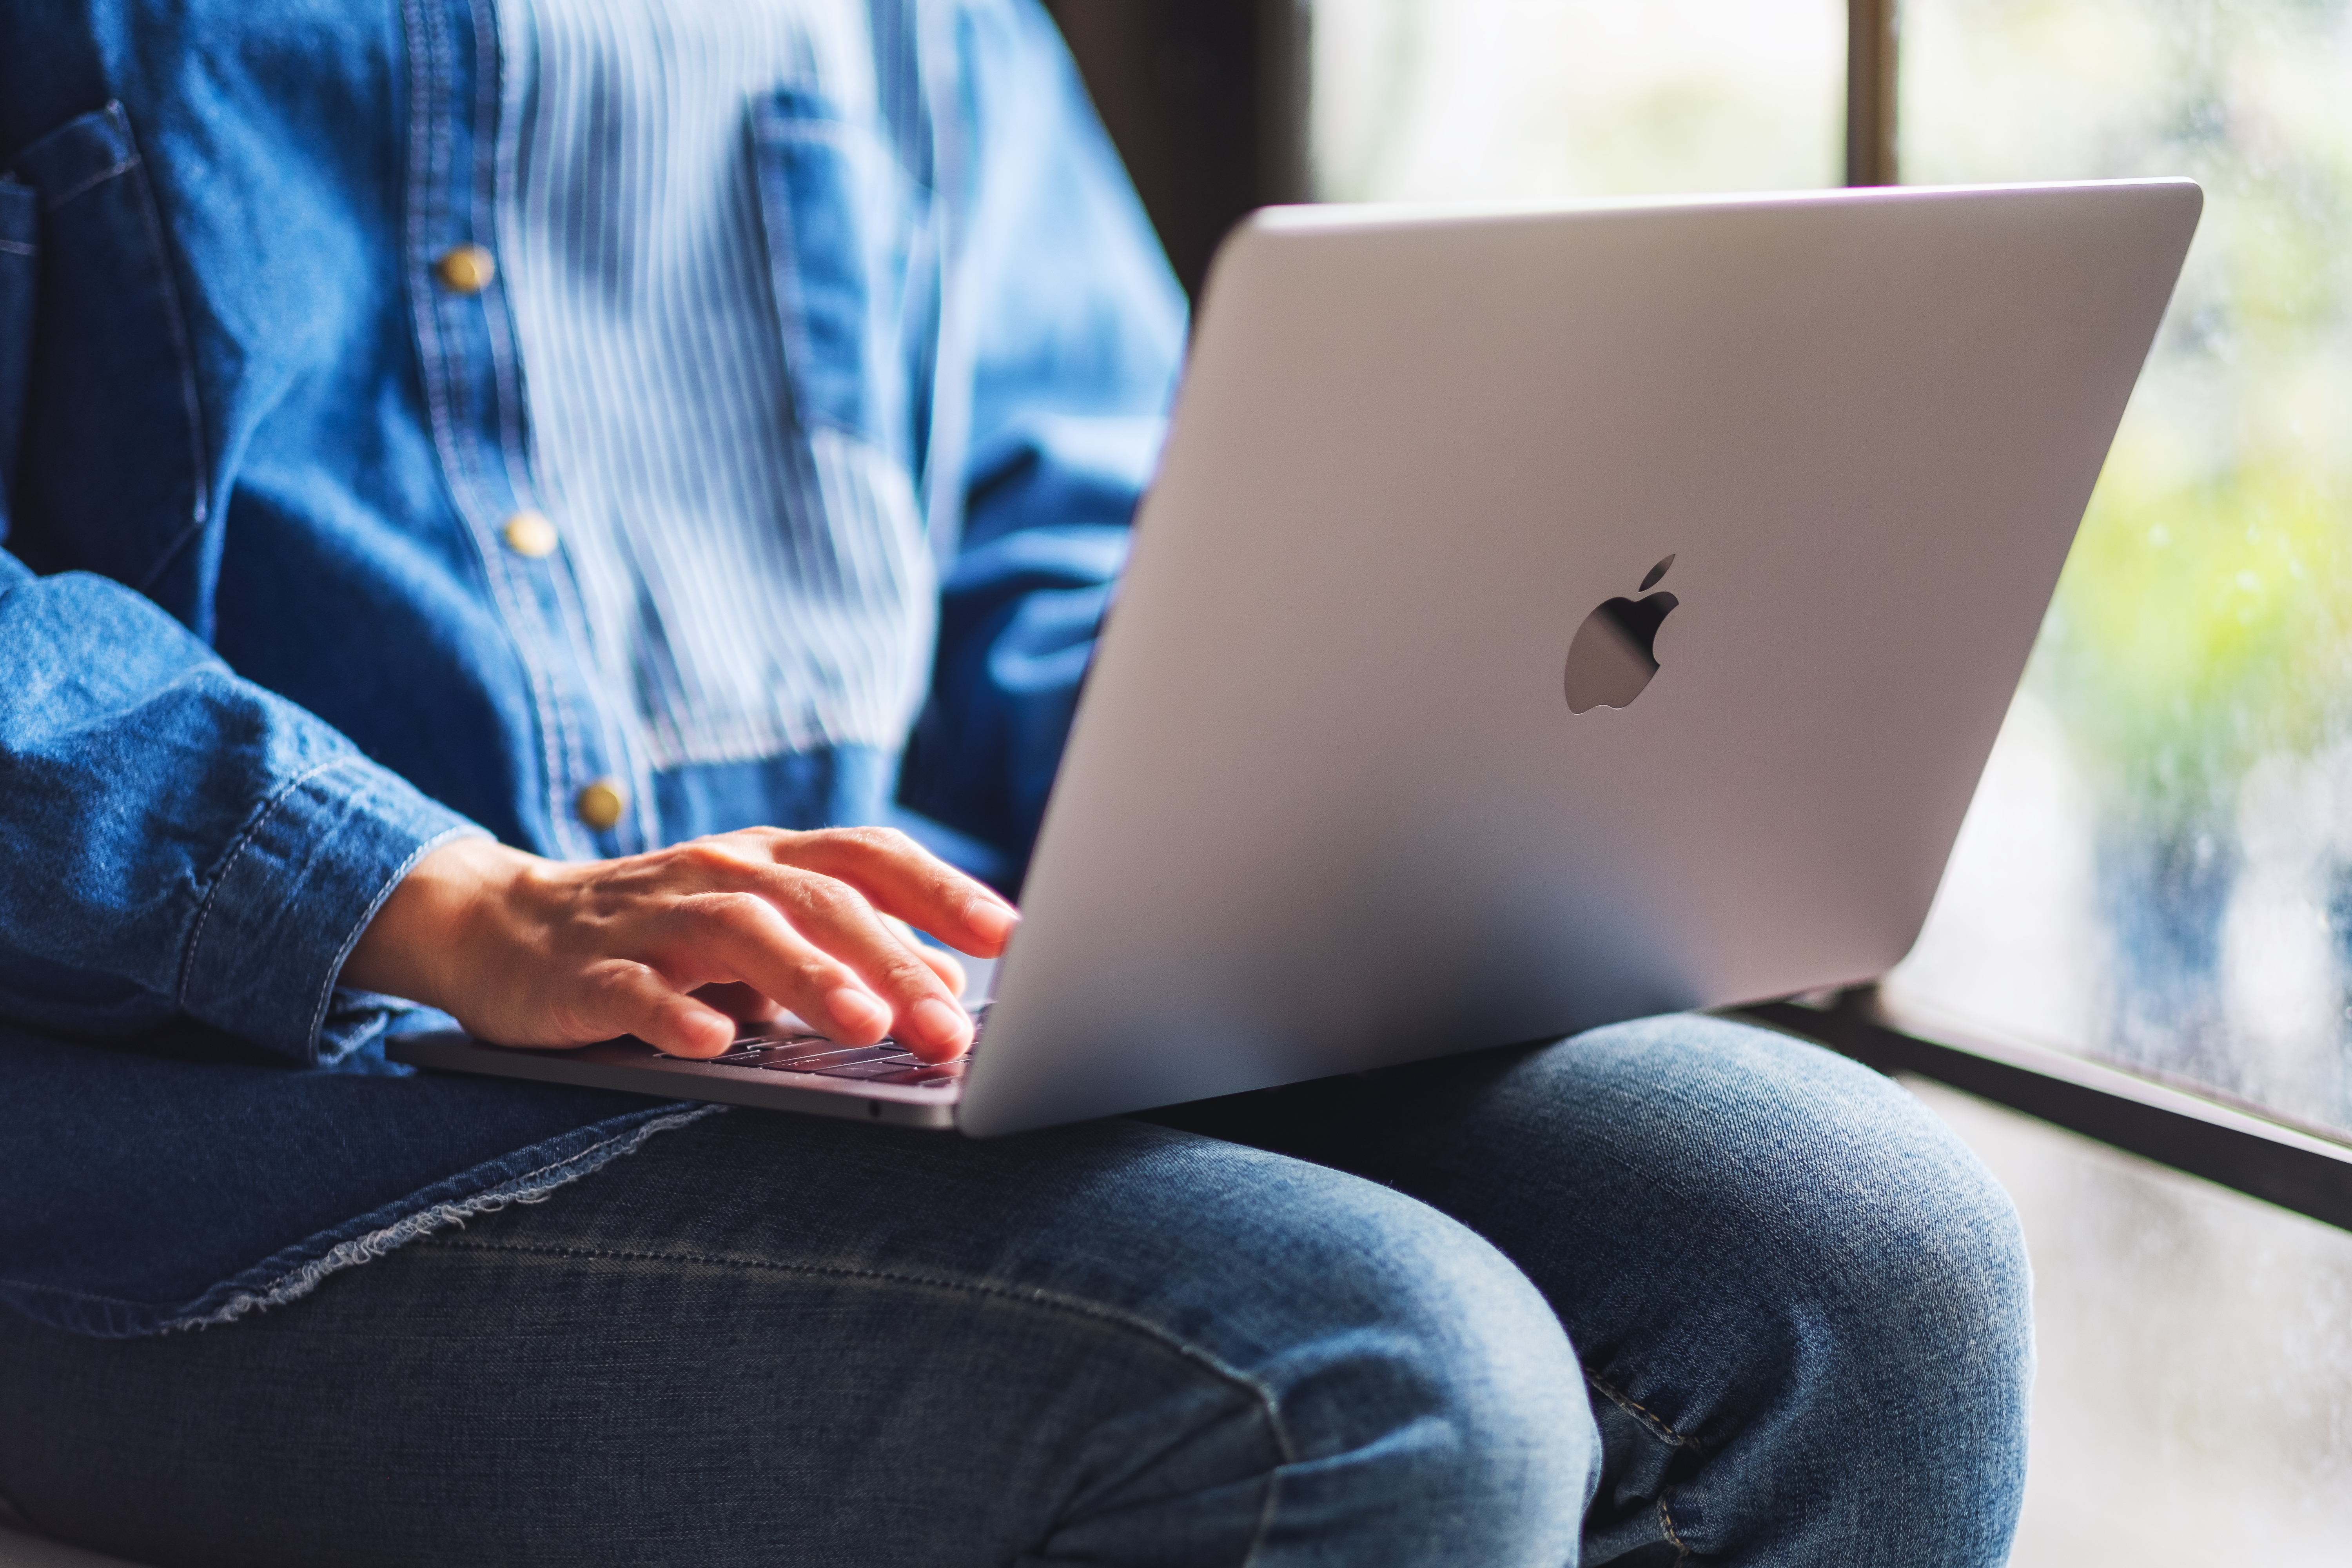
column 1543, row 616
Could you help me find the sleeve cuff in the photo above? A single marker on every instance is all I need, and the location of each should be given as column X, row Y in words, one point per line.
column 298, row 890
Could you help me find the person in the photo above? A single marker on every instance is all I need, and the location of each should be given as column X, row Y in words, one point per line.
column 508, row 502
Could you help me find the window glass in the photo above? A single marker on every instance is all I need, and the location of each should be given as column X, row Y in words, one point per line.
column 2193, row 1374
column 2159, row 866
column 1439, row 100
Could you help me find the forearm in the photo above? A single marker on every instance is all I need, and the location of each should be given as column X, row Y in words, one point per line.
column 173, row 839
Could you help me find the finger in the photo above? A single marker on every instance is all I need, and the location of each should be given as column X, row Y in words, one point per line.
column 926, row 1018
column 901, row 878
column 943, row 962
column 748, row 936
column 834, row 919
column 623, row 998
column 739, row 1001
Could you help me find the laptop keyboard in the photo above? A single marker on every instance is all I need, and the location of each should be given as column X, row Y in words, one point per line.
column 887, row 1062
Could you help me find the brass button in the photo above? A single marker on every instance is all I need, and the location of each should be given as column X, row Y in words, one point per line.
column 600, row 803
column 529, row 533
column 467, row 268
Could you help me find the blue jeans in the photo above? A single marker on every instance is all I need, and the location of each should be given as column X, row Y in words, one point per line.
column 1673, row 1290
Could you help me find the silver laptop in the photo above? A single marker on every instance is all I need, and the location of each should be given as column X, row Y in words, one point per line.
column 1542, row 617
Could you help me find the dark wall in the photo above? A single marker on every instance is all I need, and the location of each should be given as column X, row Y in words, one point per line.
column 1206, row 99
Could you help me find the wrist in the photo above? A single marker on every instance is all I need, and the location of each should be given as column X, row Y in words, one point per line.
column 410, row 947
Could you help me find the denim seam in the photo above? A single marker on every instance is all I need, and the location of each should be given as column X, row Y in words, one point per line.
column 496, row 151
column 1659, row 1428
column 1666, row 1523
column 183, row 346
column 783, row 261
column 1268, row 1406
column 1273, row 1489
column 66, row 1293
column 951, row 410
column 1657, row 1424
column 245, row 838
column 91, row 183
column 534, row 1186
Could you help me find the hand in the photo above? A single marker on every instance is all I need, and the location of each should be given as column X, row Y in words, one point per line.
column 675, row 946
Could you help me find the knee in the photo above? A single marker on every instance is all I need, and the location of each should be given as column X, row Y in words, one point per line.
column 1887, row 1259
column 1429, row 1405
column 1847, row 1185
column 1916, row 1247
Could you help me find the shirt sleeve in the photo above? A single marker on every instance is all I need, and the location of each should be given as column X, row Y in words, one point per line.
column 1078, row 328
column 175, row 840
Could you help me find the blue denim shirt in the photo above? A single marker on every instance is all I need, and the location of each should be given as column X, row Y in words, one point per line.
column 262, row 645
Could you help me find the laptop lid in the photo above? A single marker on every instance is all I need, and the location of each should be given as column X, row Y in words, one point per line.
column 1337, row 797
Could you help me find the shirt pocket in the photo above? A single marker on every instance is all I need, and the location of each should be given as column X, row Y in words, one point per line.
column 107, row 472
column 844, row 221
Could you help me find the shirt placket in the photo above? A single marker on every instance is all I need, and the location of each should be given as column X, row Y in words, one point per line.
column 597, row 796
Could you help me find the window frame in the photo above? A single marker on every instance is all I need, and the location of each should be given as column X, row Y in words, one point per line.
column 2299, row 1169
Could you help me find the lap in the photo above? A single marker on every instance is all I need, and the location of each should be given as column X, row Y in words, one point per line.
column 771, row 1337
column 1251, row 1326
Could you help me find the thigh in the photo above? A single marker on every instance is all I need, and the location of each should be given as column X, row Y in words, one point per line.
column 1799, row 1301
column 777, row 1339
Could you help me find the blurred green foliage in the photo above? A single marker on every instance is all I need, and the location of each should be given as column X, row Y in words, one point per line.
column 2198, row 627
column 2201, row 624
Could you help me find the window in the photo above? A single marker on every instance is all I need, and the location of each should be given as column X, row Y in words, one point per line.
column 2159, row 870
column 1502, row 99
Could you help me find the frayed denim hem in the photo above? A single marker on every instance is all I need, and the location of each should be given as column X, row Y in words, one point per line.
column 296, row 1271
column 531, row 1188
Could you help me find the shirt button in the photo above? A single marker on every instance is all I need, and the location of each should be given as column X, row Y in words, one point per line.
column 467, row 268
column 600, row 803
column 529, row 533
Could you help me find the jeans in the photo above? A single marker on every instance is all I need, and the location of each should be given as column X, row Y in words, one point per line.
column 1669, row 1291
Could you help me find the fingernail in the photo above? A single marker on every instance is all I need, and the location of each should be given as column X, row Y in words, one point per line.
column 856, row 1010
column 933, row 1020
column 990, row 920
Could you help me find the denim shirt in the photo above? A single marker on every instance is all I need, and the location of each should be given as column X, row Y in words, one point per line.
column 264, row 640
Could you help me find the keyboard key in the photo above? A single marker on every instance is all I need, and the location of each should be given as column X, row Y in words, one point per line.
column 799, row 1057
column 882, row 1068
column 945, row 1075
column 752, row 1052
column 815, row 1054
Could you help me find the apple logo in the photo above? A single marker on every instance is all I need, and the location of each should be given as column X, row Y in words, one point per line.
column 1609, row 660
